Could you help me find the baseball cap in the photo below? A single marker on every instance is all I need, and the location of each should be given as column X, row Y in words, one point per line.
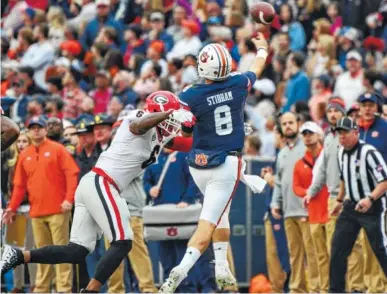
column 103, row 119
column 84, row 126
column 354, row 55
column 157, row 16
column 368, row 97
column 311, row 127
column 346, row 124
column 102, row 3
column 37, row 120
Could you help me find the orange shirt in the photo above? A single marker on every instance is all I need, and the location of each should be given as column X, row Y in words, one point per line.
column 302, row 179
column 49, row 174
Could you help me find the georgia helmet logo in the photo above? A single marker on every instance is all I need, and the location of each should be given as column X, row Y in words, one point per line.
column 204, row 57
column 160, row 100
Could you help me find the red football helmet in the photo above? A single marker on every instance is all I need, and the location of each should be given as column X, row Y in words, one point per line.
column 163, row 101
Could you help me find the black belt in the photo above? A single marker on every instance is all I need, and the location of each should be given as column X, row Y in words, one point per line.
column 234, row 153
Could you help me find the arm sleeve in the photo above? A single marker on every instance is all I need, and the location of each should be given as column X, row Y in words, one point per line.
column 19, row 186
column 319, row 175
column 297, row 181
column 377, row 166
column 277, row 200
column 71, row 171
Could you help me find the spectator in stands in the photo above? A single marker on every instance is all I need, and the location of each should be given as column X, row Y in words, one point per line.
column 283, row 41
column 102, row 129
column 35, row 107
column 349, row 85
column 26, row 75
column 157, row 32
column 54, row 177
column 247, row 50
column 103, row 19
column 293, row 28
column 72, row 93
column 298, row 85
column 175, row 71
column 287, row 205
column 70, row 135
column 123, row 90
column 39, row 55
column 176, row 29
column 335, row 18
column 102, row 93
column 183, row 192
column 19, row 108
column 324, row 58
column 56, row 21
column 54, row 86
column 84, row 11
column 189, row 75
column 136, row 44
column 154, row 55
column 189, row 44
column 318, row 102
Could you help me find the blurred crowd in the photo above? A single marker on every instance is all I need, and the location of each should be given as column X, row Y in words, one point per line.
column 71, row 69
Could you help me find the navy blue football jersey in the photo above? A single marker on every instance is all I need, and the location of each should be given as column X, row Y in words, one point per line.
column 218, row 108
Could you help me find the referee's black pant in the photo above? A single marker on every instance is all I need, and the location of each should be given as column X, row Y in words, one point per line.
column 348, row 226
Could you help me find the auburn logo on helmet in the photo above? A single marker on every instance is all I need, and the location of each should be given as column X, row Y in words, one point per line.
column 204, row 57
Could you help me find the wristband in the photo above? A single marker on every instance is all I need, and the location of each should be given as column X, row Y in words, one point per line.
column 340, row 201
column 262, row 53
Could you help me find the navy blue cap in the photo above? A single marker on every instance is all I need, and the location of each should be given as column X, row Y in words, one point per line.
column 103, row 119
column 37, row 120
column 368, row 97
column 85, row 126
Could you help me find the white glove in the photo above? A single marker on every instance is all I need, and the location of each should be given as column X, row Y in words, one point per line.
column 185, row 117
column 248, row 129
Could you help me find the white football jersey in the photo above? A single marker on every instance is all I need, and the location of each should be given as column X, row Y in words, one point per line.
column 129, row 154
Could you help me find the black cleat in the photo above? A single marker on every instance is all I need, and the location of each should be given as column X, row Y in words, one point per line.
column 11, row 258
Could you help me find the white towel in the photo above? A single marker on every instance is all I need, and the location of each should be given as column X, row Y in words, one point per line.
column 254, row 182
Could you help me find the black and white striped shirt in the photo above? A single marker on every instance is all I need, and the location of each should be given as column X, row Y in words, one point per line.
column 361, row 169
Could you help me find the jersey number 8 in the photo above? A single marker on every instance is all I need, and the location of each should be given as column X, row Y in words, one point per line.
column 223, row 120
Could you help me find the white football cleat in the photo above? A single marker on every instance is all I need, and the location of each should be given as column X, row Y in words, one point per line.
column 176, row 276
column 223, row 275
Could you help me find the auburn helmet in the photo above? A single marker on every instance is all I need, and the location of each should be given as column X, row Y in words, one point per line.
column 163, row 101
column 214, row 62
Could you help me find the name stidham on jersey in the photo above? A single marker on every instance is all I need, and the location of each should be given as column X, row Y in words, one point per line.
column 219, row 98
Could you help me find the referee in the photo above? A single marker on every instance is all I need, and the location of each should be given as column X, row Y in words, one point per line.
column 363, row 175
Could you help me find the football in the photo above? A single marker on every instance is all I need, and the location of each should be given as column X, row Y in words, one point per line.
column 262, row 12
